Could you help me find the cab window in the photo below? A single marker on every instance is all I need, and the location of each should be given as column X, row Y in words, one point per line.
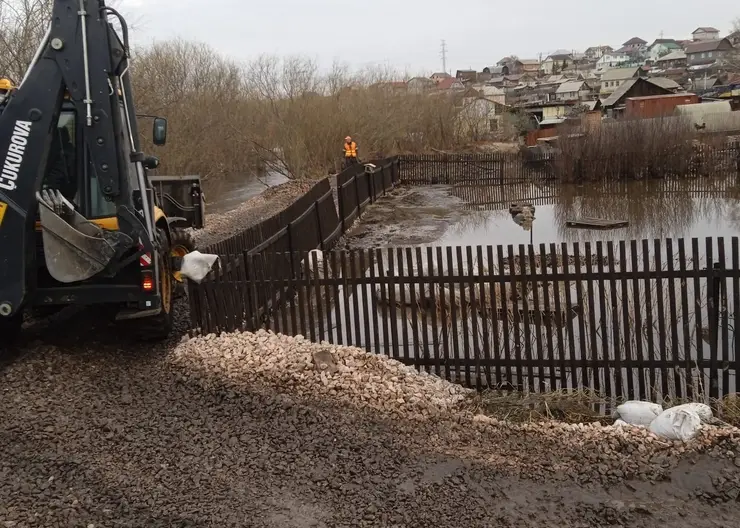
column 61, row 170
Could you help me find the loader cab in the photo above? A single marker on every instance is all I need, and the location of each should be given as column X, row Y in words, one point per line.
column 66, row 168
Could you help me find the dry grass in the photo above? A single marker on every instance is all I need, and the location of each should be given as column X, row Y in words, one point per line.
column 728, row 409
column 569, row 406
column 578, row 406
column 634, row 150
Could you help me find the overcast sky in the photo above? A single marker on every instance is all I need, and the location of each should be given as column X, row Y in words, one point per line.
column 406, row 34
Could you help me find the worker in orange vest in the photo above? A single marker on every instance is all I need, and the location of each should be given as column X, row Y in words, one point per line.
column 350, row 151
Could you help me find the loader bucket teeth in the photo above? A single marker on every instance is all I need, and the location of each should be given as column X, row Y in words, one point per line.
column 74, row 248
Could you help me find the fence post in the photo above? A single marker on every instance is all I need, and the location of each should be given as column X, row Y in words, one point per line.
column 318, row 225
column 289, row 233
column 357, row 194
column 714, row 307
column 341, row 205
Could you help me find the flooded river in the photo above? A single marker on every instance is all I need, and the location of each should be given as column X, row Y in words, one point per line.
column 226, row 196
column 609, row 322
column 476, row 215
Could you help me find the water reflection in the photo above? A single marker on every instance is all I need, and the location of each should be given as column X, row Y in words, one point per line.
column 226, row 195
column 656, row 209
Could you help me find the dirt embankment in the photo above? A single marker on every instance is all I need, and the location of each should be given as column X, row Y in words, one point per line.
column 270, row 431
column 220, row 226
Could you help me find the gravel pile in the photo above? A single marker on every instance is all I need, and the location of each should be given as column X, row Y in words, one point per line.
column 261, row 430
column 296, row 366
column 244, row 430
column 255, row 210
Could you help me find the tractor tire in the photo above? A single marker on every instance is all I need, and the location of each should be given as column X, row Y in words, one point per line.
column 181, row 244
column 159, row 327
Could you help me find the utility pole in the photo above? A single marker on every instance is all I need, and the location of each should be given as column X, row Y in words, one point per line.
column 444, row 56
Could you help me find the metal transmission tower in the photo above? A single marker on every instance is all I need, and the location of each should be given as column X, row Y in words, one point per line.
column 444, row 56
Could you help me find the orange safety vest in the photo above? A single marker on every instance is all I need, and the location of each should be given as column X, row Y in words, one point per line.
column 350, row 150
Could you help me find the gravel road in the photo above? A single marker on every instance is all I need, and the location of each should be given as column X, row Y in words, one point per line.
column 250, row 430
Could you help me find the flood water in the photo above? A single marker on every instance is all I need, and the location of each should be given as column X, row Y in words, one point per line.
column 668, row 209
column 604, row 320
column 227, row 195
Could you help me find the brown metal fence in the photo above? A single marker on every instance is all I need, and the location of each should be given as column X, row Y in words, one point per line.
column 630, row 319
column 497, row 167
column 527, row 166
column 311, row 222
column 635, row 319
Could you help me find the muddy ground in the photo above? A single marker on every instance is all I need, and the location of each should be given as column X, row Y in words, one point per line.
column 407, row 216
column 100, row 431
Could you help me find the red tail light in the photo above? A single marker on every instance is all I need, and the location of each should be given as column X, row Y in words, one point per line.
column 147, row 281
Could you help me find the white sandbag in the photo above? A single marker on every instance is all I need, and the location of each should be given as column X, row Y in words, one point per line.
column 636, row 412
column 704, row 411
column 676, row 424
column 196, row 265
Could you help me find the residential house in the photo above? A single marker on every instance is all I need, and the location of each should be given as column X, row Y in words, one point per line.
column 496, row 71
column 513, row 64
column 556, row 79
column 634, row 46
column 467, row 76
column 440, row 76
column 419, row 85
column 596, row 52
column 662, row 47
column 678, row 75
column 612, row 79
column 668, row 84
column 494, row 93
column 573, row 91
column 706, row 52
column 451, row 84
column 702, row 84
column 483, row 77
column 705, row 33
column 615, row 104
column 554, row 111
column 522, row 78
column 734, row 38
column 612, row 60
column 479, row 116
column 530, row 66
column 556, row 62
column 675, row 59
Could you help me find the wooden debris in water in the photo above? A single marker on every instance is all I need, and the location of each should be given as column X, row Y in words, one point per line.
column 596, row 223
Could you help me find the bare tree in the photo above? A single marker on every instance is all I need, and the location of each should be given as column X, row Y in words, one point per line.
column 22, row 26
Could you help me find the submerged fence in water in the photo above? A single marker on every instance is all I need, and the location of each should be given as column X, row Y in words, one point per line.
column 633, row 319
column 516, row 167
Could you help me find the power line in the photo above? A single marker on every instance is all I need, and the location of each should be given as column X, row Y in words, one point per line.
column 444, row 56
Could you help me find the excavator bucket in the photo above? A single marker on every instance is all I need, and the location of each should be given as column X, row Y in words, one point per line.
column 75, row 249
